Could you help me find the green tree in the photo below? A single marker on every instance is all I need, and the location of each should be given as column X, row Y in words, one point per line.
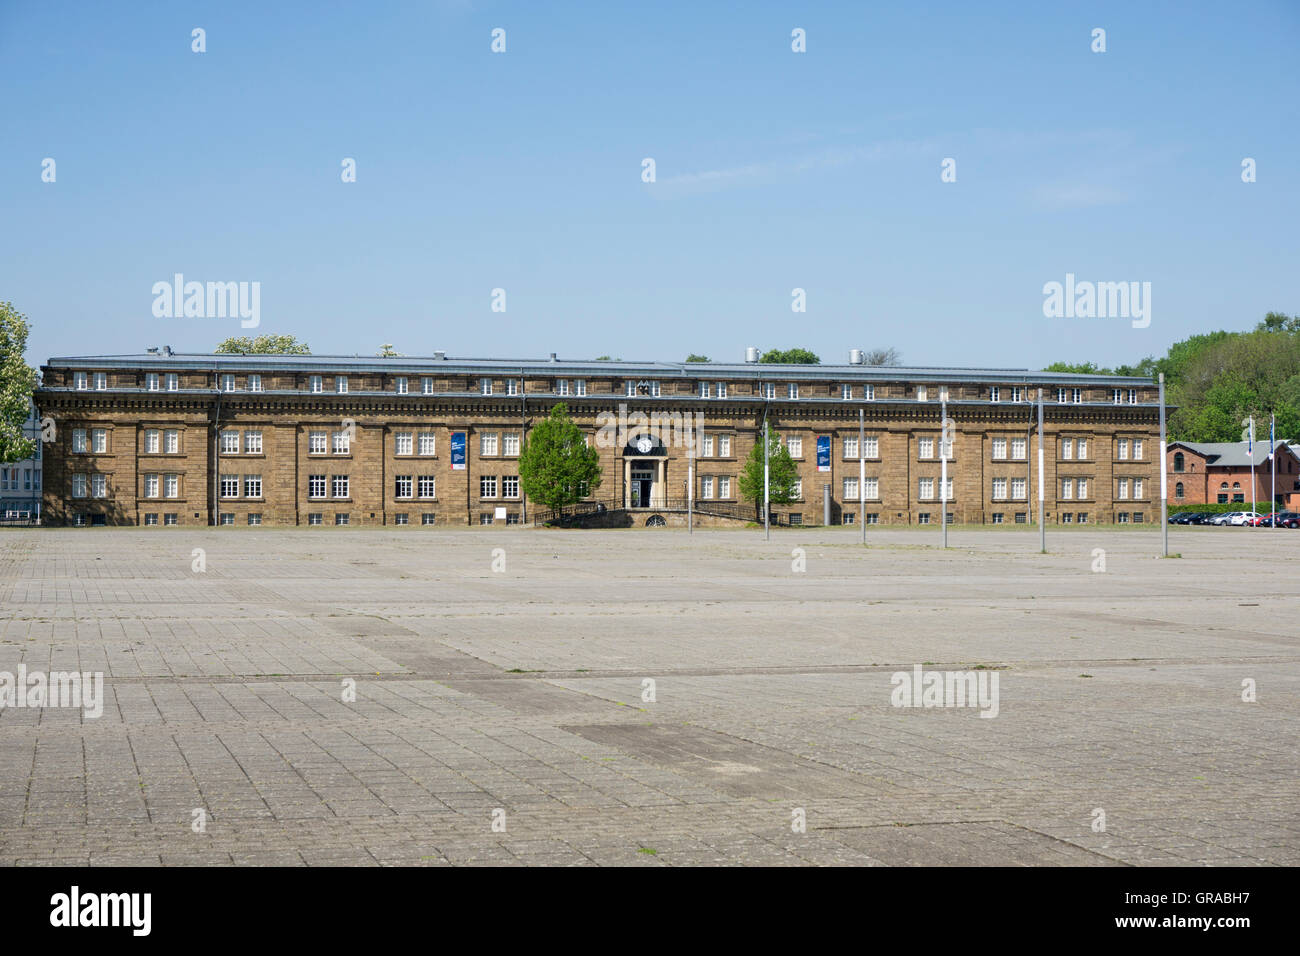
column 556, row 468
column 17, row 381
column 693, row 357
column 790, row 357
column 263, row 345
column 782, row 474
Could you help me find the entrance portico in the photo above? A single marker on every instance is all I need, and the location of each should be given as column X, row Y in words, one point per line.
column 645, row 473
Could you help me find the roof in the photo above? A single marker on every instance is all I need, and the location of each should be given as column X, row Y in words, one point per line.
column 424, row 365
column 1230, row 454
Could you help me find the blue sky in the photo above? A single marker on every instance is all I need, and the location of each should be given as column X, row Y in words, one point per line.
column 775, row 170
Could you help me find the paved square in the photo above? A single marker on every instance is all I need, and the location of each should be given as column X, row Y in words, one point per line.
column 515, row 696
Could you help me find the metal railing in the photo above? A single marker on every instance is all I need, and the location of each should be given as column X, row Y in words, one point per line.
column 738, row 511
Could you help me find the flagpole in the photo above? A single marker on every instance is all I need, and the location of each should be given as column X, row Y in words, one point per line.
column 943, row 470
column 1272, row 448
column 1250, row 450
column 862, row 474
column 767, row 504
column 1164, row 477
column 1042, row 523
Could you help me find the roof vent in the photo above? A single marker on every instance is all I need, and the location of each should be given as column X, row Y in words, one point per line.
column 167, row 350
column 440, row 355
column 855, row 356
column 751, row 355
column 553, row 357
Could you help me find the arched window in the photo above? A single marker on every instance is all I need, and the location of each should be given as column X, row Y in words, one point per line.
column 1178, row 490
column 1235, row 485
column 1223, row 487
column 1178, row 463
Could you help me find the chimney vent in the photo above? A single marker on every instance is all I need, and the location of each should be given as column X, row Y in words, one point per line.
column 751, row 355
column 855, row 356
column 440, row 355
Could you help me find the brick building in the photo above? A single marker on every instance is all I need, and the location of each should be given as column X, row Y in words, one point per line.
column 163, row 438
column 1220, row 472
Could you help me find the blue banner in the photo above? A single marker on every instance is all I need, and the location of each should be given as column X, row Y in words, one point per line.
column 823, row 452
column 457, row 451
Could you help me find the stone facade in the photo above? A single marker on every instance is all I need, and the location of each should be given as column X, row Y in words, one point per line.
column 137, row 438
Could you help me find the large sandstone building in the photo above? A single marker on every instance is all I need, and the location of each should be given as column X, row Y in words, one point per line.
column 171, row 439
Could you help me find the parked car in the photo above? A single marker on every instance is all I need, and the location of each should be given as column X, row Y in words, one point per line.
column 1183, row 517
column 1221, row 519
column 1288, row 519
column 1263, row 521
column 1205, row 517
column 1242, row 517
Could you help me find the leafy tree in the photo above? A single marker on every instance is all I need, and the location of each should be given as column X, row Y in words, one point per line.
column 387, row 351
column 789, row 357
column 263, row 345
column 693, row 357
column 556, row 468
column 782, row 474
column 17, row 381
column 1079, row 368
column 882, row 357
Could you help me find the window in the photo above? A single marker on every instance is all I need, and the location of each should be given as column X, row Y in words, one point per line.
column 706, row 486
column 99, row 440
column 401, row 519
column 580, row 387
column 921, row 393
column 997, row 517
column 923, row 517
column 427, row 444
column 1067, row 448
column 512, row 386
column 1018, row 489
column 317, row 443
column 485, row 519
column 485, row 386
column 562, row 386
column 1121, row 448
column 169, row 518
column 846, row 391
column 487, row 486
column 1067, row 488
column 101, row 381
column 869, row 393
column 1083, row 487
column 227, row 383
column 227, row 518
column 1018, row 449
column 724, row 446
column 426, row 385
column 230, row 486
column 943, row 393
column 252, row 486
column 403, row 486
column 172, row 486
column 1133, row 400
column 871, row 490
column 873, row 447
column 151, row 486
column 925, row 489
column 1138, row 517
column 1179, row 462
column 945, row 448
column 342, row 443
column 255, row 385
column 722, row 390
column 1061, row 395
column 99, row 486
column 79, row 381
column 999, row 489
column 1021, row 517
column 1076, row 395
column 78, row 486
column 316, row 486
column 341, row 518
column 400, row 385
column 79, row 440
column 230, row 443
column 315, row 518
column 317, row 384
column 724, row 487
column 171, row 441
column 1067, row 517
column 1137, row 487
column 425, row 486
column 426, row 518
column 850, row 489
column 792, row 390
column 341, row 384
column 487, row 444
column 798, row 488
column 947, row 493
column 850, row 448
column 339, row 486
column 173, row 385
column 1123, row 488
column 151, row 519
column 404, row 443
column 999, row 448
column 510, row 486
column 510, row 444
column 1083, row 448
column 769, row 390
column 1137, row 449
column 1115, row 396
column 795, row 446
column 252, row 443
column 706, row 446
column 151, row 382
column 1178, row 489
column 925, row 448
column 255, row 519
column 1017, row 393
column 995, row 394
column 1122, row 517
